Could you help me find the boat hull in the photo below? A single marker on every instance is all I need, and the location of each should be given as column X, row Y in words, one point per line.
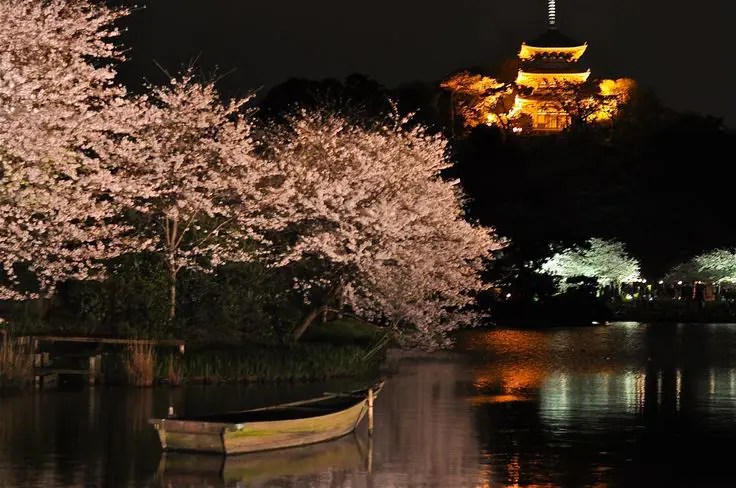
column 226, row 438
column 264, row 436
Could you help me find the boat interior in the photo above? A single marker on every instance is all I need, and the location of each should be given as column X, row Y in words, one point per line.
column 317, row 408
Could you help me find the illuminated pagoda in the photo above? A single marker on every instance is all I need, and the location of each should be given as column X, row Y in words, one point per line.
column 550, row 92
column 548, row 63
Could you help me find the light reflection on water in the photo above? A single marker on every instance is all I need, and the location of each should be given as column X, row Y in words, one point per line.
column 620, row 405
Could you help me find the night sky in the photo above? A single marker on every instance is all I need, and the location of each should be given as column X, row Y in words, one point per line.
column 680, row 49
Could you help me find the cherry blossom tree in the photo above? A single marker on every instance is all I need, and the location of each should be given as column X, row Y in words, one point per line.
column 370, row 204
column 198, row 195
column 717, row 266
column 604, row 260
column 56, row 85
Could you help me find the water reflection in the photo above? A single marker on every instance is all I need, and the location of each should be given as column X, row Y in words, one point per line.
column 75, row 439
column 350, row 453
column 425, row 432
column 635, row 405
column 622, row 405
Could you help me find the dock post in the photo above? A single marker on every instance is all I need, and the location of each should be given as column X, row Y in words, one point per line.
column 94, row 369
column 370, row 412
column 370, row 455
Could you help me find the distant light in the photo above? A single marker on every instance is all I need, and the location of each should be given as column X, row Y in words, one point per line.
column 516, row 130
column 679, row 282
column 643, row 281
column 629, row 297
column 595, row 322
column 661, row 282
column 508, row 295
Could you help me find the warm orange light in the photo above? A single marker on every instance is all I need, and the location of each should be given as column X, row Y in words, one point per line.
column 529, row 53
column 547, row 95
column 544, row 80
column 479, row 99
column 621, row 87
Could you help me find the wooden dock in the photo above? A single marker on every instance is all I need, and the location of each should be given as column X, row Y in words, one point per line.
column 58, row 356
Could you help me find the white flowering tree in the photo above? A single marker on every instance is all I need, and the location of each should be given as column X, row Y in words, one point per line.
column 719, row 265
column 370, row 204
column 197, row 193
column 56, row 86
column 606, row 261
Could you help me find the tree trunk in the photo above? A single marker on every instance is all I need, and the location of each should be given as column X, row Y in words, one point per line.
column 340, row 306
column 172, row 295
column 299, row 331
column 324, row 310
column 172, row 230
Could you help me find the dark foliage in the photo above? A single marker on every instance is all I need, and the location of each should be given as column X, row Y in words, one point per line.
column 241, row 302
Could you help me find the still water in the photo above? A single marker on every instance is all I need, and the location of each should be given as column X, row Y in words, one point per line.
column 621, row 405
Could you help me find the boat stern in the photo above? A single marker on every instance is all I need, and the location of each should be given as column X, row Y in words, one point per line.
column 188, row 436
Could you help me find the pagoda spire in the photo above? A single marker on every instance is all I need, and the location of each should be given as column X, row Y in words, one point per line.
column 552, row 14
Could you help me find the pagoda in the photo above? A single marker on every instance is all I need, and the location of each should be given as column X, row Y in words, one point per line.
column 549, row 62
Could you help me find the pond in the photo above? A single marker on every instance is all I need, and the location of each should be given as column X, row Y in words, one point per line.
column 625, row 404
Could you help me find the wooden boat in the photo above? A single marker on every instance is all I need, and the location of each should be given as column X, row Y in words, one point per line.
column 177, row 469
column 310, row 421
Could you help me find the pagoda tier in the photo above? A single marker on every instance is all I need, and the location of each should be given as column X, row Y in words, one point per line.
column 552, row 53
column 547, row 115
column 542, row 79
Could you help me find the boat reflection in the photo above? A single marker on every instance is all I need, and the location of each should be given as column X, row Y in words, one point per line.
column 183, row 470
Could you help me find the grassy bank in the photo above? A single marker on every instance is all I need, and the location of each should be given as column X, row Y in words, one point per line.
column 249, row 364
column 328, row 350
column 341, row 348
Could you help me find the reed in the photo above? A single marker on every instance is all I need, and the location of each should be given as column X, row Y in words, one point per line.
column 262, row 364
column 16, row 365
column 138, row 363
column 169, row 370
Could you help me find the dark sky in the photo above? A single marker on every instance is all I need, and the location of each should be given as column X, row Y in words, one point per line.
column 683, row 50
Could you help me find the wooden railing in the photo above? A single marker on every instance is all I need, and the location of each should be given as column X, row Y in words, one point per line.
column 44, row 354
column 38, row 340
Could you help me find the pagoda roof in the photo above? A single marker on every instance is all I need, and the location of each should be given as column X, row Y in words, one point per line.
column 532, row 79
column 554, row 38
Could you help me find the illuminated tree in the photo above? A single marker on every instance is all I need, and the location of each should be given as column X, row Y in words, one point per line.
column 687, row 271
column 480, row 99
column 388, row 230
column 56, row 86
column 605, row 261
column 717, row 266
column 720, row 265
column 197, row 193
column 591, row 102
